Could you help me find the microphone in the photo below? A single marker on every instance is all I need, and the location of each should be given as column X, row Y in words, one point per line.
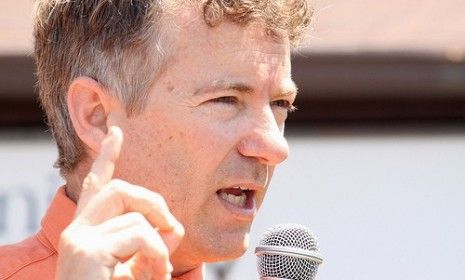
column 288, row 252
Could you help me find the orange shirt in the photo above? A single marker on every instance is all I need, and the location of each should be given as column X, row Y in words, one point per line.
column 36, row 256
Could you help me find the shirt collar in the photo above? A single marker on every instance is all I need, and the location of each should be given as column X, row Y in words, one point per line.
column 59, row 215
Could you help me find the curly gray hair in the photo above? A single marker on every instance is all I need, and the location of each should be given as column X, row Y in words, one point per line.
column 112, row 40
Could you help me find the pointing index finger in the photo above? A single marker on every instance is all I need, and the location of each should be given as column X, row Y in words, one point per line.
column 103, row 167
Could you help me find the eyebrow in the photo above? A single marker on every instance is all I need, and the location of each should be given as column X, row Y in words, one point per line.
column 219, row 85
column 290, row 90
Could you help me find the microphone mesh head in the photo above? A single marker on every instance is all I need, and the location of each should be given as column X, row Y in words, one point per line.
column 288, row 267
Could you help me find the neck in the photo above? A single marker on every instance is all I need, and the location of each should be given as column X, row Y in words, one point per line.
column 73, row 189
column 74, row 180
column 182, row 261
column 192, row 273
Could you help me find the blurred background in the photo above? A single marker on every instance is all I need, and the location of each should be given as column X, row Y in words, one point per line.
column 377, row 163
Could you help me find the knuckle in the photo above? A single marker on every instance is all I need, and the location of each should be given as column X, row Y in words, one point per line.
column 75, row 242
column 158, row 199
column 138, row 218
column 117, row 186
column 66, row 241
column 90, row 180
column 117, row 181
column 149, row 238
column 162, row 253
column 68, row 237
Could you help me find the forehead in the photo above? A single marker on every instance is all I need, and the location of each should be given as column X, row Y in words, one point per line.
column 242, row 43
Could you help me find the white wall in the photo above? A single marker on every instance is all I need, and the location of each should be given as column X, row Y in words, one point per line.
column 385, row 206
column 27, row 182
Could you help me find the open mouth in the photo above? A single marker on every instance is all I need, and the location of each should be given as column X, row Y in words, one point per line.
column 240, row 197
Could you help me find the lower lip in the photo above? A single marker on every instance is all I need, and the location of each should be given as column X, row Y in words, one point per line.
column 246, row 213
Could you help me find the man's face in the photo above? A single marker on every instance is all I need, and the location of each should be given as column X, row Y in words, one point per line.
column 212, row 133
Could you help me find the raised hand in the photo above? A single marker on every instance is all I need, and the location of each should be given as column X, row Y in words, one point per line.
column 120, row 230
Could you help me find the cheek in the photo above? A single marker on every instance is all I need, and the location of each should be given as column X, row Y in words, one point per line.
column 151, row 157
column 212, row 141
column 178, row 155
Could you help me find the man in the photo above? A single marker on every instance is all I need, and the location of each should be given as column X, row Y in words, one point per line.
column 169, row 119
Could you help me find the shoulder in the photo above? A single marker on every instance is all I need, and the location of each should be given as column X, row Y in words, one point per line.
column 32, row 255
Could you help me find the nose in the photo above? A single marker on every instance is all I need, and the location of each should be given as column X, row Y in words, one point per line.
column 265, row 141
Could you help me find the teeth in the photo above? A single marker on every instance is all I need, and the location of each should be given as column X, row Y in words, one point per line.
column 238, row 200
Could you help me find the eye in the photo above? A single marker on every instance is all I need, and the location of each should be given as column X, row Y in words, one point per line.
column 284, row 104
column 226, row 99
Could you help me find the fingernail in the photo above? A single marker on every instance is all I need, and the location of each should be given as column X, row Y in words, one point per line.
column 179, row 227
column 114, row 130
column 173, row 223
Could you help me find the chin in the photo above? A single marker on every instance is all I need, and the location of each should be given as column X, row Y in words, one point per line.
column 227, row 248
column 226, row 255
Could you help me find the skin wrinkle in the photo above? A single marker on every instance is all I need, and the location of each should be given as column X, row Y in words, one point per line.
column 227, row 84
column 259, row 58
column 273, row 76
column 224, row 85
column 185, row 148
column 188, row 147
column 229, row 163
column 250, row 53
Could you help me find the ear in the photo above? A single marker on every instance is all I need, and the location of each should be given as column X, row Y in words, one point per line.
column 89, row 104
